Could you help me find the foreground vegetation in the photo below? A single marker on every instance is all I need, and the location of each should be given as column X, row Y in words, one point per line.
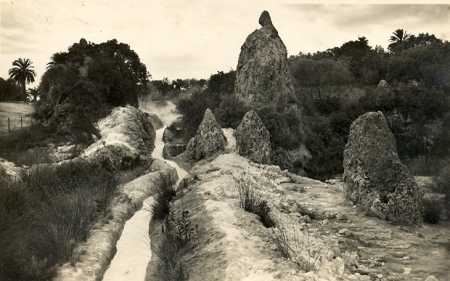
column 46, row 213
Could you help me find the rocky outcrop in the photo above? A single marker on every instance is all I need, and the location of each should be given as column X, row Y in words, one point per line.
column 262, row 76
column 374, row 177
column 253, row 139
column 127, row 138
column 326, row 238
column 383, row 84
column 208, row 140
column 174, row 140
column 154, row 119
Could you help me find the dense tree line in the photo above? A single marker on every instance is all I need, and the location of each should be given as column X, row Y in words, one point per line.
column 10, row 91
column 344, row 82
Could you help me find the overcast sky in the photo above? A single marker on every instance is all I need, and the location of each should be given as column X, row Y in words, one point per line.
column 195, row 38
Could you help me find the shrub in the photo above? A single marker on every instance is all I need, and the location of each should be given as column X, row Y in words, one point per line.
column 441, row 183
column 177, row 233
column 431, row 211
column 179, row 223
column 230, row 111
column 15, row 146
column 286, row 128
column 251, row 201
column 46, row 213
column 161, row 206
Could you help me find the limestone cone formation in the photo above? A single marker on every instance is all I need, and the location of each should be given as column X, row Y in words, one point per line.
column 208, row 140
column 127, row 137
column 374, row 177
column 253, row 139
column 262, row 76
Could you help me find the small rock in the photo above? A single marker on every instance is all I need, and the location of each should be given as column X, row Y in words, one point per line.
column 431, row 278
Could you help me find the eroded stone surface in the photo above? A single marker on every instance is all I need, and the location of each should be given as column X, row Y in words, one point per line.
column 208, row 140
column 253, row 139
column 262, row 76
column 374, row 177
column 127, row 137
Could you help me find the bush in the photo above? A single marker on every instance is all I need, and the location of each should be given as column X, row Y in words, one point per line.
column 230, row 112
column 286, row 128
column 431, row 211
column 251, row 201
column 177, row 233
column 46, row 213
column 441, row 184
column 161, row 206
column 14, row 147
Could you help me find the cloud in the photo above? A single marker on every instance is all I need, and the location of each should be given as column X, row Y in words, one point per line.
column 13, row 17
column 16, row 30
column 349, row 16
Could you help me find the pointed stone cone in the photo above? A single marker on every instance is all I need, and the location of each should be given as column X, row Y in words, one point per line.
column 374, row 177
column 209, row 139
column 253, row 139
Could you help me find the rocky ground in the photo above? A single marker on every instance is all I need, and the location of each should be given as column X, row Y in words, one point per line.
column 329, row 239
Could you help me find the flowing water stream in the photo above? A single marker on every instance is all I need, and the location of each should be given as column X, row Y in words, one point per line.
column 133, row 248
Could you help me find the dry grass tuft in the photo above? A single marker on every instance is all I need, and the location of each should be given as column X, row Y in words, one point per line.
column 296, row 245
column 251, row 200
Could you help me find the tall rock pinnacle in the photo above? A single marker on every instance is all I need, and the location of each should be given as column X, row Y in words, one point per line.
column 264, row 19
column 262, row 76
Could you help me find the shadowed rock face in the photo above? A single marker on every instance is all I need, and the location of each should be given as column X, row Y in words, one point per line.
column 208, row 140
column 264, row 19
column 374, row 177
column 262, row 76
column 253, row 139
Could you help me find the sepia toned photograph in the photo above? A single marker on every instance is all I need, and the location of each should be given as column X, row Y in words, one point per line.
column 196, row 140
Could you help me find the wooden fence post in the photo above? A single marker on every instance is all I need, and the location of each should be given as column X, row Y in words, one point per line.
column 9, row 126
column 21, row 122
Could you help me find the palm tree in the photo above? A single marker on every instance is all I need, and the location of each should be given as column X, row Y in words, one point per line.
column 33, row 94
column 22, row 72
column 398, row 36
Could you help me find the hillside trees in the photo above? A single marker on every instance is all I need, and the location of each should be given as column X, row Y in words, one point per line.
column 84, row 83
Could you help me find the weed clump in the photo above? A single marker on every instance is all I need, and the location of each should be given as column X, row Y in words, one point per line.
column 251, row 200
column 296, row 245
column 178, row 233
column 164, row 194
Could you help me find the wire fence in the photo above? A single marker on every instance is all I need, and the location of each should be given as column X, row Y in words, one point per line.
column 13, row 123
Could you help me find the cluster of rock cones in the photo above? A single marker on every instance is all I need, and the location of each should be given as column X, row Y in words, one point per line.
column 374, row 177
